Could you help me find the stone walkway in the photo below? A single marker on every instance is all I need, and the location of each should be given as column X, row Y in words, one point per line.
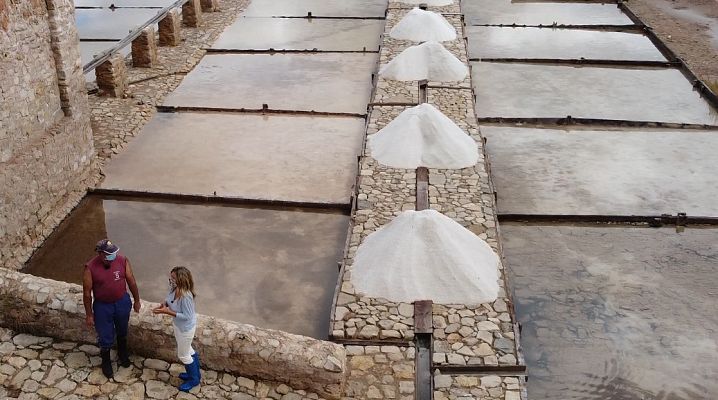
column 33, row 367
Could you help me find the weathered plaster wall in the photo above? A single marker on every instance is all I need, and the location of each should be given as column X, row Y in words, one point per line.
column 46, row 151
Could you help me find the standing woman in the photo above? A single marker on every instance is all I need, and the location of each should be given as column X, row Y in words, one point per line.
column 180, row 305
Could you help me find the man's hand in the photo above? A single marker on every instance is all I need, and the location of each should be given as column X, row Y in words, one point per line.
column 90, row 320
column 137, row 306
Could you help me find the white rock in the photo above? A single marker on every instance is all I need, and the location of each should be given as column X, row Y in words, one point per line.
column 429, row 60
column 422, row 26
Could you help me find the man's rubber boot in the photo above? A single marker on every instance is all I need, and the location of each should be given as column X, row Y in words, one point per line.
column 194, row 375
column 122, row 354
column 106, row 363
column 184, row 376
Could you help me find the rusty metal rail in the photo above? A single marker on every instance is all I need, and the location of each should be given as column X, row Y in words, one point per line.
column 105, row 55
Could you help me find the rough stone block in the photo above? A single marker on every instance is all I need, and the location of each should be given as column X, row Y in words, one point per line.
column 170, row 27
column 112, row 76
column 192, row 13
column 210, row 5
column 144, row 49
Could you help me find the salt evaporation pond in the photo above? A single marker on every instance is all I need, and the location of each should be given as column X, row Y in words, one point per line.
column 270, row 267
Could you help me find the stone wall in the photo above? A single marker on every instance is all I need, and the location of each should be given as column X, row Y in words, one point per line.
column 46, row 151
column 51, row 308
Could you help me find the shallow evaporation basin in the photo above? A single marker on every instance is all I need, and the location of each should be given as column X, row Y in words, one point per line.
column 585, row 171
column 258, row 34
column 270, row 267
column 317, row 8
column 123, row 3
column 615, row 311
column 508, row 12
column 524, row 91
column 563, row 44
column 107, row 24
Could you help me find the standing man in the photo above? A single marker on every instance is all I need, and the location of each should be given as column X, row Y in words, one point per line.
column 106, row 278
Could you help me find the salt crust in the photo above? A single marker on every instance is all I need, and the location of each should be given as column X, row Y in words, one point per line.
column 429, row 60
column 425, row 255
column 423, row 136
column 422, row 26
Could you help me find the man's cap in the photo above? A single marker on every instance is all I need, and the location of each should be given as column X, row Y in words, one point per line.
column 106, row 246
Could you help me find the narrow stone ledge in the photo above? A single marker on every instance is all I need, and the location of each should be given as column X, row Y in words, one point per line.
column 42, row 306
column 380, row 372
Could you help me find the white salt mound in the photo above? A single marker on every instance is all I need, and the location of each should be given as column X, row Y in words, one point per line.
column 422, row 136
column 425, row 255
column 429, row 60
column 422, row 26
column 431, row 3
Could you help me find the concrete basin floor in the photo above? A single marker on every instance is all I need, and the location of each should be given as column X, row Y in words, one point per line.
column 301, row 34
column 616, row 312
column 517, row 90
column 564, row 44
column 274, row 268
column 603, row 172
column 329, row 83
column 507, row 12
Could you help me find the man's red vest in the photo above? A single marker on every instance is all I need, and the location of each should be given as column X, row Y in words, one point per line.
column 108, row 284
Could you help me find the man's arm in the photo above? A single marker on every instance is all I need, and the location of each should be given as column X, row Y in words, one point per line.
column 132, row 283
column 87, row 297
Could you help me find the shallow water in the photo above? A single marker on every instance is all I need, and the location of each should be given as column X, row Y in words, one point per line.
column 557, row 91
column 616, row 312
column 301, row 34
column 274, row 268
column 124, row 3
column 108, row 24
column 337, row 83
column 506, row 42
column 603, row 172
column 270, row 157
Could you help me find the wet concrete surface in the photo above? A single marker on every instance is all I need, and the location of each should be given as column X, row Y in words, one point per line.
column 301, row 34
column 616, row 312
column 274, row 268
column 116, row 24
column 618, row 172
column 507, row 12
column 318, row 8
column 288, row 158
column 507, row 42
column 334, row 83
column 124, row 3
column 556, row 91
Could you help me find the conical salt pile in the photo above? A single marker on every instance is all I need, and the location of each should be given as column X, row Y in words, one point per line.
column 425, row 255
column 423, row 26
column 422, row 136
column 430, row 3
column 429, row 60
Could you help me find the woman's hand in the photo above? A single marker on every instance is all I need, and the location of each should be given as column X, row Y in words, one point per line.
column 163, row 309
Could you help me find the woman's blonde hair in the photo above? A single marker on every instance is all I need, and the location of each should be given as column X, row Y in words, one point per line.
column 184, row 281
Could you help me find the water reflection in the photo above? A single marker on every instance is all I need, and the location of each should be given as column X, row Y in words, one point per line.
column 274, row 268
column 616, row 312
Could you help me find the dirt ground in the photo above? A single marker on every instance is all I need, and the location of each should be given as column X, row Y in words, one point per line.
column 689, row 28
